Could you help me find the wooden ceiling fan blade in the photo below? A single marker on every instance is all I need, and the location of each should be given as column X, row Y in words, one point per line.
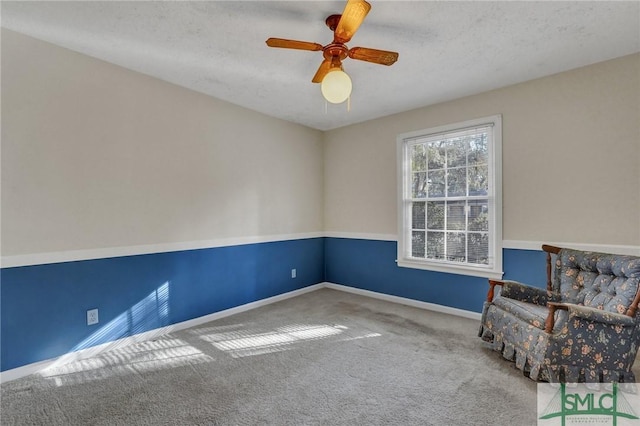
column 326, row 66
column 352, row 16
column 323, row 70
column 293, row 44
column 376, row 56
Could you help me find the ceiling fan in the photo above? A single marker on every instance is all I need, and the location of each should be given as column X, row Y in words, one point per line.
column 344, row 27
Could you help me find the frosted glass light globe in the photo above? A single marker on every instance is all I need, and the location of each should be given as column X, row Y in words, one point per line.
column 336, row 87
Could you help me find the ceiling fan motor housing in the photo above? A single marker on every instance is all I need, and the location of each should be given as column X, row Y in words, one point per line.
column 334, row 50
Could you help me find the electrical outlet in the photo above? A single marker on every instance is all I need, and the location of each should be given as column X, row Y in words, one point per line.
column 293, row 273
column 92, row 316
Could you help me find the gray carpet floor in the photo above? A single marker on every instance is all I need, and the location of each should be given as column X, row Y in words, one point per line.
column 322, row 358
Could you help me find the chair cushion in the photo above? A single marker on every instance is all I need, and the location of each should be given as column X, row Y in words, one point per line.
column 527, row 312
column 598, row 280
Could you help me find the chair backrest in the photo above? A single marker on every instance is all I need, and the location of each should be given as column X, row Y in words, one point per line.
column 604, row 281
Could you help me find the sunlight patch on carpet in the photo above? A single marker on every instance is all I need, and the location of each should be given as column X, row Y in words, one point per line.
column 134, row 359
column 241, row 341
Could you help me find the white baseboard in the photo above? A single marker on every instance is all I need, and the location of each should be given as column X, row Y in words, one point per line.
column 36, row 367
column 405, row 301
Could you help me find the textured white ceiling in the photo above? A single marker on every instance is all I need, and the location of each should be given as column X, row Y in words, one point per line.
column 447, row 49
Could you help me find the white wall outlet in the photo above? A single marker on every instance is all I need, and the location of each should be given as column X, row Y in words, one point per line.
column 92, row 316
column 293, row 273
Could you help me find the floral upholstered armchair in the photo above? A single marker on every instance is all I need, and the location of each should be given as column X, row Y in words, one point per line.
column 585, row 327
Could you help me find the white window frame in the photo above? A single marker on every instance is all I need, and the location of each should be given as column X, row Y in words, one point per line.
column 494, row 269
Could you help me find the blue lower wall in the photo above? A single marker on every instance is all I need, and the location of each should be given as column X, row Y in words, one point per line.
column 43, row 307
column 370, row 265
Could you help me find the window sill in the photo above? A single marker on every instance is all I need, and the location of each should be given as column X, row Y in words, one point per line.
column 451, row 269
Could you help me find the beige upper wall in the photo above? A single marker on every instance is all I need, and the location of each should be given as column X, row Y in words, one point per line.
column 96, row 156
column 571, row 158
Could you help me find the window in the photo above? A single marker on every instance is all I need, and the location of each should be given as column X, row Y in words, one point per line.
column 450, row 207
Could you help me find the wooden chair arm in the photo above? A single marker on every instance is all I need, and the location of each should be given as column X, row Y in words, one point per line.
column 550, row 250
column 492, row 284
column 553, row 306
column 547, row 248
column 634, row 305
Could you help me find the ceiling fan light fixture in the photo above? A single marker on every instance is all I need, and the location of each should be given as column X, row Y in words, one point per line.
column 336, row 86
